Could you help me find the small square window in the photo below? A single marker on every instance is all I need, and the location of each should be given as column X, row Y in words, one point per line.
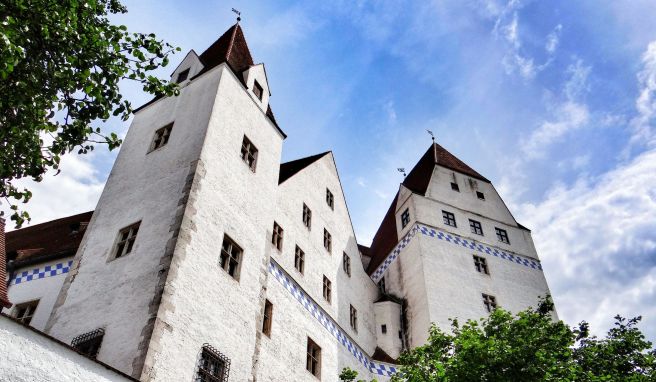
column 480, row 263
column 327, row 240
column 25, row 311
column 257, row 90
column 405, row 218
column 161, row 137
column 299, row 259
column 313, row 363
column 490, row 302
column 126, row 238
column 213, row 366
column 307, row 216
column 89, row 343
column 346, row 264
column 502, row 235
column 455, row 187
column 449, row 218
column 353, row 318
column 383, row 328
column 476, row 227
column 268, row 316
column 276, row 238
column 330, row 200
column 230, row 257
column 480, row 195
column 249, row 153
column 381, row 286
column 183, row 75
column 327, row 289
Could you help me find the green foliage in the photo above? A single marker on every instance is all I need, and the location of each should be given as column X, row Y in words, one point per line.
column 60, row 66
column 528, row 346
column 349, row 375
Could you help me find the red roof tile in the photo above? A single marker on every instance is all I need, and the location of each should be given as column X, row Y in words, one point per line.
column 385, row 238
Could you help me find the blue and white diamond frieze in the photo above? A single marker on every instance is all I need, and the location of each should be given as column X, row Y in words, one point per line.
column 41, row 273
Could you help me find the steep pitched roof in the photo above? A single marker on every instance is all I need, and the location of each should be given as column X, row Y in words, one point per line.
column 385, row 238
column 46, row 240
column 419, row 177
column 289, row 169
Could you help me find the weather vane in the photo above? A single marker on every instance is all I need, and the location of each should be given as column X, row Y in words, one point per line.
column 238, row 14
column 432, row 136
column 401, row 170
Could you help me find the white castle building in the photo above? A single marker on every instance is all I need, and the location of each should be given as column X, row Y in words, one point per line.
column 206, row 259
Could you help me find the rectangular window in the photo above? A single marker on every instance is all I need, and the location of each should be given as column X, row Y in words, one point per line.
column 327, row 240
column 455, row 187
column 481, row 265
column 490, row 302
column 476, row 227
column 383, row 328
column 161, row 137
column 449, row 218
column 480, row 195
column 330, row 200
column 268, row 316
column 307, row 216
column 183, row 75
column 346, row 264
column 126, row 239
column 405, row 218
column 257, row 90
column 230, row 257
column 299, row 259
column 353, row 318
column 381, row 286
column 276, row 238
column 213, row 366
column 25, row 311
column 327, row 289
column 502, row 235
column 249, row 153
column 313, row 364
column 89, row 343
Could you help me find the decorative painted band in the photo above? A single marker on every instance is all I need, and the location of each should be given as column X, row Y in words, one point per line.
column 453, row 239
column 327, row 322
column 41, row 273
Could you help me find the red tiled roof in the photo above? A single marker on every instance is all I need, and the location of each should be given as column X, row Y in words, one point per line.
column 385, row 238
column 289, row 169
column 4, row 300
column 56, row 237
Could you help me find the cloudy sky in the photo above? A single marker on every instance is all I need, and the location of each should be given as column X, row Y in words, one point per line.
column 554, row 101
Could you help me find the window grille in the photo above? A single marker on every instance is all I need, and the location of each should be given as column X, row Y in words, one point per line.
column 230, row 256
column 307, row 216
column 490, row 302
column 249, row 153
column 89, row 343
column 313, row 364
column 405, row 218
column 476, row 227
column 213, row 365
column 25, row 311
column 299, row 259
column 327, row 289
column 330, row 200
column 327, row 240
column 126, row 238
column 480, row 263
column 161, row 137
column 502, row 235
column 449, row 218
column 346, row 264
column 276, row 238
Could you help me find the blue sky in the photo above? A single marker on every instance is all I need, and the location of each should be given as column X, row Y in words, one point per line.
column 555, row 102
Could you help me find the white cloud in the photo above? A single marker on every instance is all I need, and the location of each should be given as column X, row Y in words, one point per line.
column 646, row 102
column 569, row 116
column 597, row 241
column 577, row 84
column 553, row 39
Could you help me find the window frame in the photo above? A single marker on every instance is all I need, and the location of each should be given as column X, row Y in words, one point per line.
column 246, row 153
column 405, row 218
column 227, row 258
column 120, row 249
column 490, row 302
column 353, row 318
column 161, row 137
column 258, row 90
column 88, row 344
column 313, row 358
column 346, row 264
column 327, row 240
column 277, row 236
column 455, row 187
column 299, row 259
column 29, row 307
column 330, row 199
column 448, row 217
column 307, row 217
column 267, row 318
column 383, row 328
column 381, row 285
column 209, row 354
column 480, row 264
column 184, row 73
column 480, row 195
column 502, row 235
column 327, row 289
column 476, row 227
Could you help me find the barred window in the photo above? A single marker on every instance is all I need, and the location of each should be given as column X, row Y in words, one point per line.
column 299, row 259
column 213, row 365
column 327, row 240
column 276, row 238
column 161, row 137
column 455, row 187
column 313, row 363
column 405, row 218
column 346, row 264
column 230, row 257
column 25, row 311
column 268, row 317
column 257, row 90
column 89, row 343
column 480, row 195
column 490, row 302
column 449, row 218
column 249, row 153
column 307, row 216
column 480, row 263
column 327, row 289
column 330, row 200
column 502, row 235
column 183, row 75
column 476, row 227
column 353, row 318
column 126, row 239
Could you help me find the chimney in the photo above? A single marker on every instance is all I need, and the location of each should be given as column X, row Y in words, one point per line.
column 4, row 300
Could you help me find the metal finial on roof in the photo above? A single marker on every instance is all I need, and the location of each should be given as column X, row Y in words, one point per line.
column 401, row 170
column 432, row 135
column 238, row 14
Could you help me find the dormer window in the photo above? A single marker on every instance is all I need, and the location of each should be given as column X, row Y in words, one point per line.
column 258, row 90
column 182, row 75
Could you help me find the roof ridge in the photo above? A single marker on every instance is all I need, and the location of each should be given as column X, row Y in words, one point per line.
column 232, row 40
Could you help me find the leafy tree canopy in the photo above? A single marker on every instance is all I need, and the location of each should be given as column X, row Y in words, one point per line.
column 61, row 62
column 528, row 346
